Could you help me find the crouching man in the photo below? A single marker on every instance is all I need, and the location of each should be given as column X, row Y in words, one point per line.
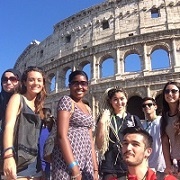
column 136, row 149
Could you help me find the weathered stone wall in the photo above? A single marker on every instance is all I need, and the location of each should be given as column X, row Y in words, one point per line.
column 82, row 39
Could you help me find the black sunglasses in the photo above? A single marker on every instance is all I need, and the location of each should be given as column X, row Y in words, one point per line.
column 12, row 79
column 148, row 104
column 77, row 83
column 173, row 91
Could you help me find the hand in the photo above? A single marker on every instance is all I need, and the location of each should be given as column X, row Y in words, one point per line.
column 96, row 175
column 10, row 168
column 76, row 173
column 105, row 115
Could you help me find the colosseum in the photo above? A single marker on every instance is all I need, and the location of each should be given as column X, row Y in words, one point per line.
column 134, row 44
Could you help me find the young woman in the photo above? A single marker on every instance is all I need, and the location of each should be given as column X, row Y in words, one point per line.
column 113, row 120
column 32, row 95
column 10, row 83
column 74, row 155
column 171, row 124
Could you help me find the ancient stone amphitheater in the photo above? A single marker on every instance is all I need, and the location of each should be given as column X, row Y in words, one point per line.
column 141, row 34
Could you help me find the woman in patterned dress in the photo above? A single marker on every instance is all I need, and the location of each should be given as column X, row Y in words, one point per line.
column 74, row 155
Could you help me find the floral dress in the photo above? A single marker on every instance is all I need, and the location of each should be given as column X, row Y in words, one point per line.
column 79, row 138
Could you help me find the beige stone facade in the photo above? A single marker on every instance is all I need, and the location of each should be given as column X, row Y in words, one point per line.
column 113, row 29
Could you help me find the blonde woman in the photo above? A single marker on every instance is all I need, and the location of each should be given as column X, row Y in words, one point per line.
column 113, row 120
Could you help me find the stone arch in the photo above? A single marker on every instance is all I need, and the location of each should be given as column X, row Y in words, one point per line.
column 86, row 67
column 107, row 62
column 51, row 82
column 134, row 106
column 159, row 100
column 132, row 61
column 160, row 53
column 66, row 72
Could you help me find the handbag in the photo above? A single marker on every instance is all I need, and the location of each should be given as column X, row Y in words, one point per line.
column 25, row 137
column 52, row 139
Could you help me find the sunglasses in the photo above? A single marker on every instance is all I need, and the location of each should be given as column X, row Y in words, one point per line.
column 12, row 79
column 77, row 83
column 173, row 91
column 148, row 104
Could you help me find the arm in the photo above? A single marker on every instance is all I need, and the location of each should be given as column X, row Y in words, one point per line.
column 101, row 128
column 94, row 158
column 63, row 118
column 10, row 119
column 166, row 152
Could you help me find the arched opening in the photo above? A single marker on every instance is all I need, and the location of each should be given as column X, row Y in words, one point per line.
column 132, row 63
column 68, row 72
column 160, row 59
column 107, row 68
column 159, row 100
column 134, row 106
column 87, row 70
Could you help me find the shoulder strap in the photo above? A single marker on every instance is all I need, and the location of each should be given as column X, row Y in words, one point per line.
column 21, row 104
column 72, row 107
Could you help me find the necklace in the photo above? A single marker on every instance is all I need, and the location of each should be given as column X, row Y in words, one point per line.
column 172, row 115
column 115, row 129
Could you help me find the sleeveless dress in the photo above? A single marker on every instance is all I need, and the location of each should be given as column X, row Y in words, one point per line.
column 79, row 138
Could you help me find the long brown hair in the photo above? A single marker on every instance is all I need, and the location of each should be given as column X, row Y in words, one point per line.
column 40, row 98
column 166, row 109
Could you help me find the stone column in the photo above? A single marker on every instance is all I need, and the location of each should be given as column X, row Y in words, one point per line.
column 94, row 69
column 145, row 59
column 118, row 67
column 57, row 81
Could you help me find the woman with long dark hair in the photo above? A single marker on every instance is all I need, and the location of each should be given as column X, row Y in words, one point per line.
column 30, row 103
column 170, row 124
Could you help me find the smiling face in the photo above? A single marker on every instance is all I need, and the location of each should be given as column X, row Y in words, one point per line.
column 9, row 82
column 78, row 87
column 171, row 94
column 118, row 102
column 134, row 149
column 34, row 82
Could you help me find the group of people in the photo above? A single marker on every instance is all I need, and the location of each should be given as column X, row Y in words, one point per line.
column 127, row 148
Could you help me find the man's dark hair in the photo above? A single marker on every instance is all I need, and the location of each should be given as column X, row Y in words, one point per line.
column 137, row 130
column 149, row 98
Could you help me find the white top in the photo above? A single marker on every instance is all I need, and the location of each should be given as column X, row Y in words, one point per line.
column 156, row 159
column 174, row 140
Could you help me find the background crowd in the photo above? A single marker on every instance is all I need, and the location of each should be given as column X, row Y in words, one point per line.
column 115, row 145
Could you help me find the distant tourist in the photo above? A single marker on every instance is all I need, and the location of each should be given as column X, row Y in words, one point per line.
column 152, row 126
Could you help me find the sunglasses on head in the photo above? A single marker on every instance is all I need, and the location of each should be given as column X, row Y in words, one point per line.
column 148, row 104
column 77, row 83
column 12, row 79
column 173, row 91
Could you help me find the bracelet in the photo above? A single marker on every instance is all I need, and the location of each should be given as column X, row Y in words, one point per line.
column 8, row 149
column 71, row 165
column 74, row 177
column 8, row 156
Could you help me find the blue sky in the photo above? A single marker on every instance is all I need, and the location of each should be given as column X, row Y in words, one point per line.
column 22, row 21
